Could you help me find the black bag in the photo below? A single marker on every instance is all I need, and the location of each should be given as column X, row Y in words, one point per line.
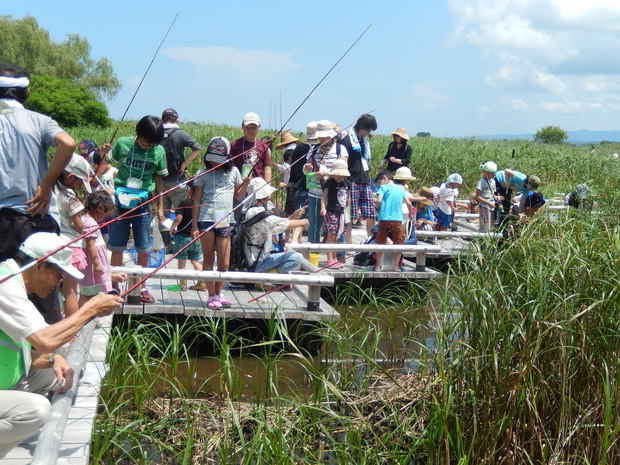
column 239, row 240
column 173, row 159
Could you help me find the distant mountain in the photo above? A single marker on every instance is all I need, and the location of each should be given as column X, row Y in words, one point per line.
column 583, row 136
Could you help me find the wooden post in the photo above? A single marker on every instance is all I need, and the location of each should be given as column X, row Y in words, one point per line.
column 314, row 298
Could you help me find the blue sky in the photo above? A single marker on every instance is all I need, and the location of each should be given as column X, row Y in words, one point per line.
column 456, row 68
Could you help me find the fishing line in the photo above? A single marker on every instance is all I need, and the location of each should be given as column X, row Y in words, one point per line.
column 142, row 80
column 325, row 77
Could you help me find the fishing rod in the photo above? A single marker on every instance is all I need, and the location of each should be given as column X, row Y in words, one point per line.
column 142, row 80
column 113, row 220
column 34, row 262
column 324, row 77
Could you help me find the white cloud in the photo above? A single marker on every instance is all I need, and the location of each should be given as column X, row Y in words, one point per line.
column 559, row 47
column 245, row 65
column 423, row 95
column 560, row 107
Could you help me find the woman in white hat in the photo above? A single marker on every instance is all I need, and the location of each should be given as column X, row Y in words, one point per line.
column 316, row 171
column 398, row 152
column 259, row 245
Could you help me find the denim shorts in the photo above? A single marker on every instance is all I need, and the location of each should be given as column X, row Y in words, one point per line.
column 139, row 223
column 225, row 231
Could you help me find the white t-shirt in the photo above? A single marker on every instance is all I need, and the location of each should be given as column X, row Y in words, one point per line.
column 447, row 195
column 68, row 205
column 218, row 192
column 19, row 318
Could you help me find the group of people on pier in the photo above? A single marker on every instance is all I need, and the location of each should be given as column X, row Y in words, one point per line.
column 59, row 219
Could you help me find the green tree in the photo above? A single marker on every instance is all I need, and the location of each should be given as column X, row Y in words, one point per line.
column 25, row 44
column 551, row 135
column 69, row 104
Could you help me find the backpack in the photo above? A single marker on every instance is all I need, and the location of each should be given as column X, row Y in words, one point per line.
column 173, row 159
column 239, row 240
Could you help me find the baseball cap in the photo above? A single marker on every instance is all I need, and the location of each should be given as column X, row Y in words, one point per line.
column 217, row 150
column 489, row 167
column 250, row 118
column 86, row 147
column 169, row 114
column 79, row 167
column 39, row 244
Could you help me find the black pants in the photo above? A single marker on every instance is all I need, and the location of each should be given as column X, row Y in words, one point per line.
column 507, row 194
column 15, row 227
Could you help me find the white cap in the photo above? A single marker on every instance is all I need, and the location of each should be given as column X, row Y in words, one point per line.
column 79, row 167
column 250, row 118
column 311, row 130
column 489, row 167
column 39, row 244
column 454, row 177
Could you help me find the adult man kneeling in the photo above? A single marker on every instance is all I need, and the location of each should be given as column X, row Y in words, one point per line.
column 27, row 342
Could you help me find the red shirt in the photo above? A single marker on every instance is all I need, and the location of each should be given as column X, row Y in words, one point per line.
column 257, row 153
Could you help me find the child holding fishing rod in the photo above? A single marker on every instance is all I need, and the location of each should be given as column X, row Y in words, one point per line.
column 142, row 166
column 213, row 204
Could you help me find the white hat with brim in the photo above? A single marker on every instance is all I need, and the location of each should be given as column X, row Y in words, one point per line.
column 324, row 129
column 311, row 131
column 260, row 188
column 39, row 244
column 339, row 168
column 79, row 167
column 403, row 174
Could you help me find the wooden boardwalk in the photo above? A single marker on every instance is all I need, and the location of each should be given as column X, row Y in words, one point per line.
column 75, row 436
column 286, row 304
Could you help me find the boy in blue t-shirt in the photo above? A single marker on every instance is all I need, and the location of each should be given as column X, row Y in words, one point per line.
column 390, row 199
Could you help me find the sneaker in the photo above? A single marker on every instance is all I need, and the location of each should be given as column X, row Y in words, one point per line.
column 183, row 284
column 199, row 286
column 214, row 303
column 146, row 297
column 224, row 301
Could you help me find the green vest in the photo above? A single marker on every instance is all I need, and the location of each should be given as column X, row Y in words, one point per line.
column 12, row 362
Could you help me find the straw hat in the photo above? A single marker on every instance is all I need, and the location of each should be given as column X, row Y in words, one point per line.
column 427, row 194
column 287, row 138
column 401, row 132
column 324, row 129
column 403, row 174
column 339, row 168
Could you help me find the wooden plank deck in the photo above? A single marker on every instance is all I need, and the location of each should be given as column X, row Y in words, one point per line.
column 286, row 304
column 76, row 437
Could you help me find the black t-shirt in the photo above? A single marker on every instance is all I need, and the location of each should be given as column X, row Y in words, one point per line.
column 337, row 195
column 403, row 153
column 185, row 209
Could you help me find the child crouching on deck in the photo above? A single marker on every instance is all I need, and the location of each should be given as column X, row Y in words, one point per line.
column 390, row 198
column 335, row 202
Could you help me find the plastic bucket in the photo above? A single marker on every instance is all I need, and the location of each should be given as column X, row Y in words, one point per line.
column 314, row 258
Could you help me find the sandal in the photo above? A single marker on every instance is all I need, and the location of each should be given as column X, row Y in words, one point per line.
column 199, row 286
column 146, row 297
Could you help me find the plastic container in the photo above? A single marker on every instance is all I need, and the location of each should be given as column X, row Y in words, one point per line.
column 314, row 258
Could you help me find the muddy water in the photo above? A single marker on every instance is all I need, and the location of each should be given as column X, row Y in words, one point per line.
column 389, row 337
